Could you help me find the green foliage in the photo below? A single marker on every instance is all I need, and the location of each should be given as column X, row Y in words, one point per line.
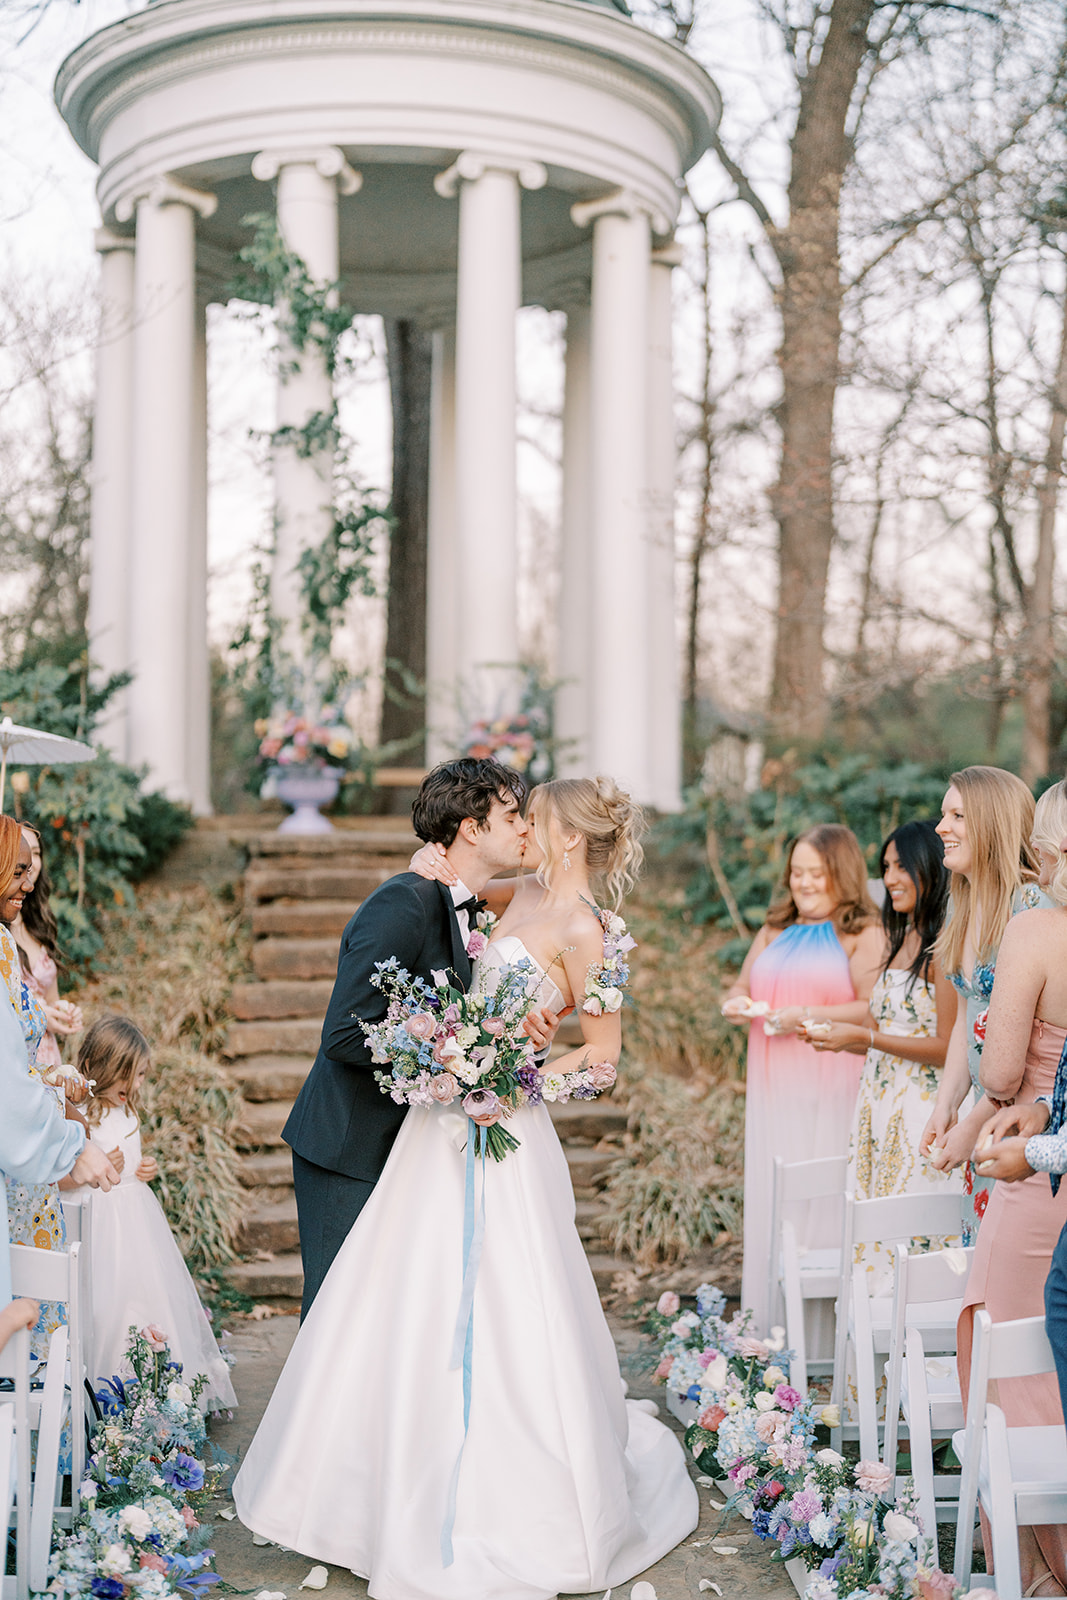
column 750, row 837
column 100, row 833
column 338, row 568
column 310, row 315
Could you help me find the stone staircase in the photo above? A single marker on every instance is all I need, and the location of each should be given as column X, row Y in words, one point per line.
column 299, row 893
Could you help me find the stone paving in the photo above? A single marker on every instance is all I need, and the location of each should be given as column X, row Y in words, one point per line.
column 261, row 1348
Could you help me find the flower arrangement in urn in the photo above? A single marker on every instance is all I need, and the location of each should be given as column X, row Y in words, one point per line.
column 292, row 741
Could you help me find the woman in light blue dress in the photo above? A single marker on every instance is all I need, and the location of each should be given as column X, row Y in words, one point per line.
column 987, row 817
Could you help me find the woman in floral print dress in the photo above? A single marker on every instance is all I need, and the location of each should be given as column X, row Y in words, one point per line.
column 912, row 1010
column 986, row 820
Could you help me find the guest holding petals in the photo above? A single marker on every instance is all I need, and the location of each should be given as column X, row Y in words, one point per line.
column 815, row 959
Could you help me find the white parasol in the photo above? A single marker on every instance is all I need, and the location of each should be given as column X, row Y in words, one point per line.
column 33, row 747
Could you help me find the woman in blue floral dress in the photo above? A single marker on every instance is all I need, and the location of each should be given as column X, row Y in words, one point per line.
column 986, row 820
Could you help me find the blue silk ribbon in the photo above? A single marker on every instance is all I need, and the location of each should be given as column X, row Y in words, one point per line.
column 463, row 1338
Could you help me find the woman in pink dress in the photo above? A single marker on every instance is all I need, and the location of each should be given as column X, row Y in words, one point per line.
column 1026, row 1035
column 814, row 960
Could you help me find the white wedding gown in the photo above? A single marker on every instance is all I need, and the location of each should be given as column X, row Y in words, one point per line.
column 564, row 1486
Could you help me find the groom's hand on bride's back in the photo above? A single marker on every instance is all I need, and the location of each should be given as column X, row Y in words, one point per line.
column 540, row 1027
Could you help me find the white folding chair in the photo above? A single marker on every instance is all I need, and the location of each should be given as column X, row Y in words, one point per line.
column 15, row 1365
column 920, row 1371
column 78, row 1219
column 796, row 1276
column 56, row 1275
column 864, row 1322
column 7, row 1472
column 1018, row 1474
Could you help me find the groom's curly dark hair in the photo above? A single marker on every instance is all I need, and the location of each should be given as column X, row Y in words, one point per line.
column 466, row 787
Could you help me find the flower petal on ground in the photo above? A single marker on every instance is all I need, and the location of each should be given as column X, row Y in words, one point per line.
column 317, row 1578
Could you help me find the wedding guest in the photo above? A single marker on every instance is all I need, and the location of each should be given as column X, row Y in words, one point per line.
column 816, row 958
column 35, row 932
column 1025, row 1040
column 987, row 817
column 903, row 1040
column 139, row 1276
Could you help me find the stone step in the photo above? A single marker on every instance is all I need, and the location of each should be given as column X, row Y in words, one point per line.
column 271, row 1225
column 349, row 884
column 587, row 1214
column 262, row 1124
column 279, row 1279
column 588, row 1168
column 605, row 1268
column 384, row 839
column 298, row 1037
column 267, row 1169
column 271, row 1077
column 279, row 998
column 302, row 919
column 587, row 1119
column 295, row 958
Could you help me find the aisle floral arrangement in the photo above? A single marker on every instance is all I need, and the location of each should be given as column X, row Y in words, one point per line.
column 832, row 1521
column 139, row 1533
column 293, row 741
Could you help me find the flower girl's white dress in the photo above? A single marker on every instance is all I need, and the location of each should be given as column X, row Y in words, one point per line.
column 138, row 1275
column 564, row 1486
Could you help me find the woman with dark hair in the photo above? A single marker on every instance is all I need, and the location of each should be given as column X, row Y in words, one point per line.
column 904, row 1039
column 37, row 936
column 815, row 959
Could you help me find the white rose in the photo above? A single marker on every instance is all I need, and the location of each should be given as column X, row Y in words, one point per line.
column 114, row 1561
column 552, row 1084
column 610, row 998
column 616, row 925
column 178, row 1394
column 828, row 1458
column 899, row 1528
column 135, row 1521
column 773, row 1377
column 467, row 1036
column 716, row 1373
column 765, row 1402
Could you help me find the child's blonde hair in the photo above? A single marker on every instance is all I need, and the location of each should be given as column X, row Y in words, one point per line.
column 112, row 1051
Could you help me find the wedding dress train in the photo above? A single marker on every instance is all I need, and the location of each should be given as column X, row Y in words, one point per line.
column 564, row 1486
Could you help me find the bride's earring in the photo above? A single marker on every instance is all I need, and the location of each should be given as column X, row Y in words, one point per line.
column 566, row 861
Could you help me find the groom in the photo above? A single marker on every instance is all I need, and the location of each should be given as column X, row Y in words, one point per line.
column 342, row 1127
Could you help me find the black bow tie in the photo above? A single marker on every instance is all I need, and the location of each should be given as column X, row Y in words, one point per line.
column 472, row 906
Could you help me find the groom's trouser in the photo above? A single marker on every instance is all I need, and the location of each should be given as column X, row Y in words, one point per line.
column 327, row 1204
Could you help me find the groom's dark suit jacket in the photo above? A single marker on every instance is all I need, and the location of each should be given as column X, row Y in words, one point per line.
column 342, row 1121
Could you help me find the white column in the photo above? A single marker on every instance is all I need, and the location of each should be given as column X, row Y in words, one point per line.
column 618, row 612
column 576, row 641
column 162, row 449
column 488, row 294
column 110, row 507
column 665, row 724
column 307, row 200
column 199, row 711
column 442, row 589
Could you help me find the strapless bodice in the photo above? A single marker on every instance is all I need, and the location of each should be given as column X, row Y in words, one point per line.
column 507, row 951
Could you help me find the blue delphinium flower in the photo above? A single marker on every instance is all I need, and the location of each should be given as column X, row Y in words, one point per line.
column 711, row 1302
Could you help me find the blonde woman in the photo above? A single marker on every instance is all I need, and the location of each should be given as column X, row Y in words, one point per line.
column 558, row 1485
column 987, row 817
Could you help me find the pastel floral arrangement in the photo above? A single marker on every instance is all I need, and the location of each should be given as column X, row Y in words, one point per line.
column 310, row 745
column 756, row 1431
column 139, row 1534
column 480, row 934
column 442, row 1045
column 511, row 740
column 605, row 983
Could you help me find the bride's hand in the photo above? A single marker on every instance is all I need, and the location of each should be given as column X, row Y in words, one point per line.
column 431, row 862
column 540, row 1028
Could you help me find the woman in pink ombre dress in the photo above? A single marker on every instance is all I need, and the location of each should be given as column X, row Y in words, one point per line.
column 815, row 959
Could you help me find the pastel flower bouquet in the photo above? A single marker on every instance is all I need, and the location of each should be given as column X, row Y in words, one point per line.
column 139, row 1533
column 291, row 740
column 605, row 983
column 515, row 741
column 442, row 1045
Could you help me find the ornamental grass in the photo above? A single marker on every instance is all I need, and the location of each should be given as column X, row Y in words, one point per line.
column 169, row 964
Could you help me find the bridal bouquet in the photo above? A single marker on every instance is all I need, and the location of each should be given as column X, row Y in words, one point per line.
column 442, row 1045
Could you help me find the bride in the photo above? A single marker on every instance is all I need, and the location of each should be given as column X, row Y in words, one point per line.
column 563, row 1486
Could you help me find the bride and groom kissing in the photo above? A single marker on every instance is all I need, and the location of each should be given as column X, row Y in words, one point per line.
column 528, row 1474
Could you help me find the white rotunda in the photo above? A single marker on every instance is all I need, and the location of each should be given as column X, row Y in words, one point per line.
column 447, row 161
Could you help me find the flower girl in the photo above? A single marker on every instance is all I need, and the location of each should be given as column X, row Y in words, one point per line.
column 138, row 1275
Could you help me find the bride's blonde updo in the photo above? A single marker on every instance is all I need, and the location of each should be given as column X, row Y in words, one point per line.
column 608, row 820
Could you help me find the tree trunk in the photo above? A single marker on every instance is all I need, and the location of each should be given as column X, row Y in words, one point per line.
column 811, row 294
column 404, row 702
column 1039, row 653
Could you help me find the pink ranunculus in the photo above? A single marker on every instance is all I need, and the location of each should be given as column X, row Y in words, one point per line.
column 751, row 1349
column 936, row 1585
column 476, row 944
column 664, row 1368
column 710, row 1418
column 422, row 1025
column 668, row 1304
column 190, row 1517
column 602, row 1074
column 681, row 1329
column 481, row 1103
column 150, row 1562
column 873, row 1477
column 496, row 1026
column 787, row 1397
column 444, row 1088
column 593, row 1007
column 766, row 1425
column 154, row 1338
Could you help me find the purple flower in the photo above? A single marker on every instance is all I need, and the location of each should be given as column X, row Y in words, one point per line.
column 481, row 1103
column 183, row 1472
column 805, row 1505
column 530, row 1079
column 108, row 1588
